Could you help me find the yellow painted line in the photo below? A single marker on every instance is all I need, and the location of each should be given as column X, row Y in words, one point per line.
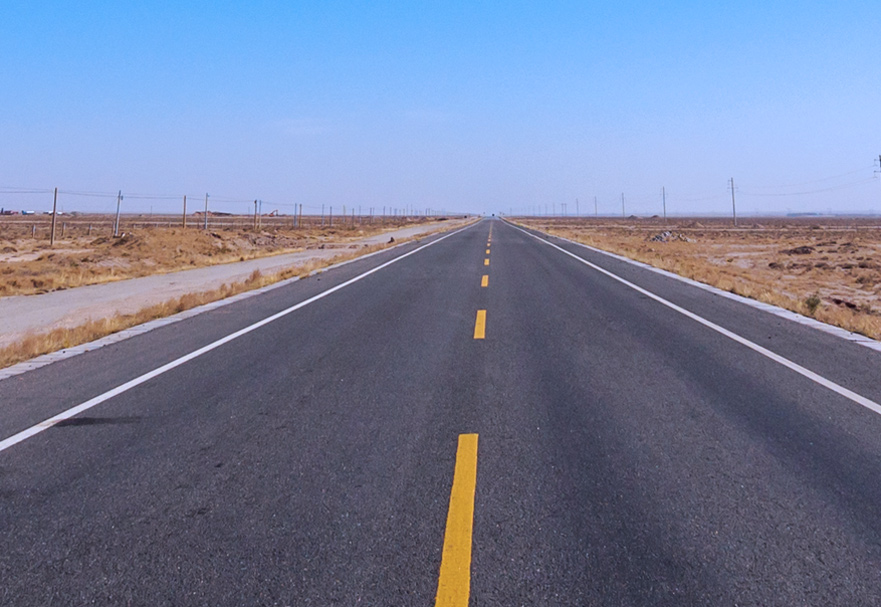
column 484, row 282
column 487, row 251
column 486, row 262
column 454, row 585
column 480, row 325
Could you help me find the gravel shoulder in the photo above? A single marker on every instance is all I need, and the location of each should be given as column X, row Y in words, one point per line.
column 27, row 314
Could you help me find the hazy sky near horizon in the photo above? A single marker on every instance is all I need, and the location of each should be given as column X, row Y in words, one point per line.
column 469, row 106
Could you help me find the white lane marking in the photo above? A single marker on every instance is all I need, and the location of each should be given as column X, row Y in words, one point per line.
column 48, row 423
column 819, row 379
column 862, row 340
column 53, row 357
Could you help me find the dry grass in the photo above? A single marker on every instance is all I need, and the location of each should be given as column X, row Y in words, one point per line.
column 59, row 339
column 30, row 266
column 827, row 270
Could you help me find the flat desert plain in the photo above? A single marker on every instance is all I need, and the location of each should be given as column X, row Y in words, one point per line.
column 86, row 252
column 825, row 267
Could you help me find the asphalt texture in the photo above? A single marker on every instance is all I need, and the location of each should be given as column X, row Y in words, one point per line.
column 26, row 314
column 628, row 455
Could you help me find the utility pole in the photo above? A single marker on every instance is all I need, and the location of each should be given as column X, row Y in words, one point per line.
column 623, row 213
column 596, row 209
column 116, row 221
column 184, row 222
column 54, row 215
column 577, row 212
column 255, row 214
column 206, row 210
column 330, row 217
column 664, row 198
column 879, row 164
column 733, row 206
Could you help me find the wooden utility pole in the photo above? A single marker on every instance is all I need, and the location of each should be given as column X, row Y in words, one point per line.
column 623, row 213
column 255, row 214
column 206, row 211
column 184, row 218
column 596, row 209
column 54, row 215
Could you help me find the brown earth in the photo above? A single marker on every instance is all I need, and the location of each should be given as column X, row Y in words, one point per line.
column 30, row 265
column 828, row 268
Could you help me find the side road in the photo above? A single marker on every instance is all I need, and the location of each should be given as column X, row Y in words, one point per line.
column 25, row 314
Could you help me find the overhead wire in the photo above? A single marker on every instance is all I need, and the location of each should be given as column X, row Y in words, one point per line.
column 844, row 186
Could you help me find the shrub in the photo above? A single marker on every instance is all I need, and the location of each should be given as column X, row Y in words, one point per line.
column 812, row 303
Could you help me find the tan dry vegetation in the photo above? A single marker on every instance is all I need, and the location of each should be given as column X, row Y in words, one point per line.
column 59, row 339
column 30, row 266
column 826, row 268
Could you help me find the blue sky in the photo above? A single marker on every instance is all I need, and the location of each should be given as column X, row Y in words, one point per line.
column 470, row 106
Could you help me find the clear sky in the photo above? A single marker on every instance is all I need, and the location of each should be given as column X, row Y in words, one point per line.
column 470, row 106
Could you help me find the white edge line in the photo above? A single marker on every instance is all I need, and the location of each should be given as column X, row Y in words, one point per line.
column 866, row 342
column 67, row 414
column 53, row 357
column 819, row 379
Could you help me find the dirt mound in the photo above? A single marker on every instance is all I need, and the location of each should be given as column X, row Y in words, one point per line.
column 802, row 250
column 668, row 236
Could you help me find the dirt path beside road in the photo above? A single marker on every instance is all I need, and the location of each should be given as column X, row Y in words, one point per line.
column 21, row 315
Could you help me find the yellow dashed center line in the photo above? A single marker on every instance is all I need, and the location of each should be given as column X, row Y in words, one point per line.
column 480, row 325
column 454, row 585
column 486, row 262
column 487, row 251
column 484, row 281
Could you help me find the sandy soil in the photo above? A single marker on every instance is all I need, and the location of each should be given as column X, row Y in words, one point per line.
column 827, row 268
column 30, row 266
column 37, row 313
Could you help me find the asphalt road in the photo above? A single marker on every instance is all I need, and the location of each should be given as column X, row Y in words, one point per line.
column 25, row 314
column 627, row 454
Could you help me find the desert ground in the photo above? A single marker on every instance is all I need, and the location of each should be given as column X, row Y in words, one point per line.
column 86, row 252
column 825, row 267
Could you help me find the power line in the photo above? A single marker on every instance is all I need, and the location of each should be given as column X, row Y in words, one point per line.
column 822, row 179
column 802, row 193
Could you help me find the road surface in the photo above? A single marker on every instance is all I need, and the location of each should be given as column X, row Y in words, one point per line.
column 27, row 314
column 379, row 441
